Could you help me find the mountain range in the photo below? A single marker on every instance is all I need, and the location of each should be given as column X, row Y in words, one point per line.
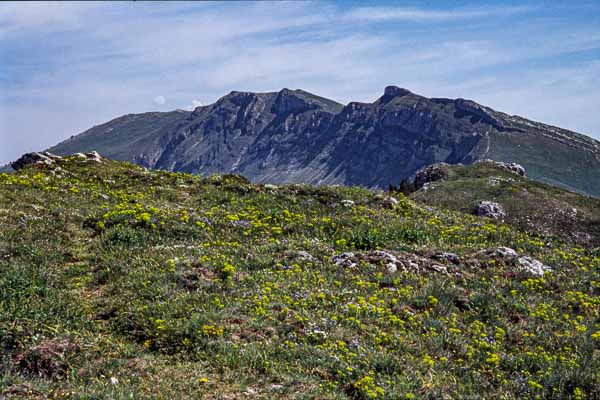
column 294, row 136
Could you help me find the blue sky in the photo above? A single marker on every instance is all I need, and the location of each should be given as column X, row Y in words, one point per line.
column 65, row 67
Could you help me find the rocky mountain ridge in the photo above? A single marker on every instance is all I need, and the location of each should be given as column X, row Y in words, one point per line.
column 295, row 136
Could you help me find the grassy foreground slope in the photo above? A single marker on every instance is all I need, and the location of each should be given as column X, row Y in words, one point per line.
column 120, row 283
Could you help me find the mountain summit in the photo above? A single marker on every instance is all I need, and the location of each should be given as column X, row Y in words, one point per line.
column 296, row 136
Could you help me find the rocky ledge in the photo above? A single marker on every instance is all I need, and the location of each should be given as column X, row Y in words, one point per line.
column 431, row 173
column 510, row 167
column 45, row 159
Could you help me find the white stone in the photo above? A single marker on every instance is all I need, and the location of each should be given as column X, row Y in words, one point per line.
column 506, row 252
column 305, row 255
column 391, row 267
column 532, row 266
column 490, row 209
column 389, row 202
column 348, row 203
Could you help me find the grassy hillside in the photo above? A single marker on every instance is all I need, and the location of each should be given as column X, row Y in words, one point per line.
column 529, row 205
column 123, row 137
column 120, row 283
column 550, row 161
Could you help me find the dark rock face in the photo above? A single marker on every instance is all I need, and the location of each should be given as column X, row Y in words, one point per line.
column 431, row 173
column 294, row 136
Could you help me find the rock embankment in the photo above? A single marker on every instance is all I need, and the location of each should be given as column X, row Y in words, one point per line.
column 46, row 159
column 490, row 209
column 431, row 173
column 510, row 167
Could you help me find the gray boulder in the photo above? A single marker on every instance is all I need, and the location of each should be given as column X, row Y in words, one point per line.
column 509, row 257
column 91, row 156
column 532, row 266
column 347, row 260
column 431, row 173
column 505, row 253
column 46, row 159
column 446, row 256
column 41, row 159
column 389, row 202
column 490, row 209
column 305, row 255
column 348, row 203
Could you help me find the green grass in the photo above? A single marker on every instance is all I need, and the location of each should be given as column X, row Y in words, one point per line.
column 119, row 283
column 529, row 205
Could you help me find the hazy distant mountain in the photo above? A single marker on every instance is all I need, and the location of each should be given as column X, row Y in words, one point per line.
column 295, row 136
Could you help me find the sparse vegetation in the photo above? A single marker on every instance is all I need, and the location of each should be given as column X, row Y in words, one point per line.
column 117, row 282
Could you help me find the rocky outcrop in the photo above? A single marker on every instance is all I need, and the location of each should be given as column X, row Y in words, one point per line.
column 506, row 253
column 497, row 181
column 431, row 173
column 46, row 159
column 348, row 203
column 391, row 262
column 532, row 266
column 507, row 257
column 299, row 255
column 389, row 202
column 510, row 167
column 490, row 209
column 92, row 156
column 446, row 256
column 42, row 159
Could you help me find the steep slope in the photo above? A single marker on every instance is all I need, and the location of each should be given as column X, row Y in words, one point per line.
column 294, row 136
column 128, row 137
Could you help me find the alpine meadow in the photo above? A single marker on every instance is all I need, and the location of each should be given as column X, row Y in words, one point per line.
column 176, row 223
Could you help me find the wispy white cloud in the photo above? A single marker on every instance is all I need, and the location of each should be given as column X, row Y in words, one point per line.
column 68, row 67
column 35, row 17
column 428, row 15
